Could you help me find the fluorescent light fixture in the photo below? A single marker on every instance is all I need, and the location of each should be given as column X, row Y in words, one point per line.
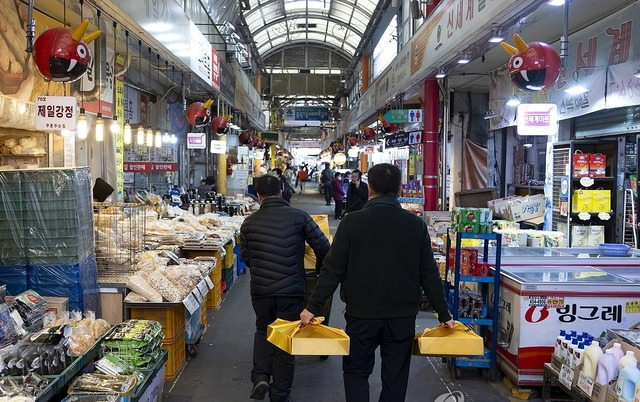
column 576, row 89
column 489, row 114
column 99, row 128
column 149, row 136
column 128, row 138
column 513, row 102
column 82, row 127
column 556, row 3
column 441, row 73
column 140, row 135
column 496, row 36
column 464, row 59
column 158, row 139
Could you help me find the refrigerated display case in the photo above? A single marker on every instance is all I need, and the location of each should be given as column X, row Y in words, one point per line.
column 537, row 301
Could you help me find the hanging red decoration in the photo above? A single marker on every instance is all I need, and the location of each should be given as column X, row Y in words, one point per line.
column 353, row 141
column 368, row 133
column 244, row 138
column 229, row 168
column 62, row 55
column 533, row 67
column 220, row 124
column 261, row 145
column 253, row 143
column 386, row 126
column 393, row 128
column 199, row 114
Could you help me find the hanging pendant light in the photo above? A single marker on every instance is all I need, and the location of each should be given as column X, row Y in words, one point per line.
column 149, row 136
column 158, row 140
column 82, row 127
column 140, row 135
column 174, row 139
column 128, row 137
column 114, row 127
column 99, row 127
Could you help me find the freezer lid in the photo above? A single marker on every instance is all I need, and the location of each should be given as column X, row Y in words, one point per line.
column 574, row 275
column 526, row 252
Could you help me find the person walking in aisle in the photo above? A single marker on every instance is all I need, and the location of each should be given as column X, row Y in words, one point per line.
column 302, row 179
column 325, row 177
column 357, row 193
column 338, row 194
column 272, row 244
column 382, row 258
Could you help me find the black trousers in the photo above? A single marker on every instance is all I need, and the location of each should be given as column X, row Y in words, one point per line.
column 395, row 337
column 338, row 209
column 269, row 361
column 327, row 191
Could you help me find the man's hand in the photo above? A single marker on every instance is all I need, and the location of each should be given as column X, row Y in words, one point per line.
column 306, row 316
column 448, row 324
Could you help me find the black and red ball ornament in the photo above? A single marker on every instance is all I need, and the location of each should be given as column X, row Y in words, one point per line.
column 62, row 55
column 534, row 66
column 199, row 114
column 353, row 141
column 368, row 133
column 220, row 124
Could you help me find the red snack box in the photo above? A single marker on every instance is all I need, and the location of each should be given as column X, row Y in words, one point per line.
column 597, row 165
column 581, row 164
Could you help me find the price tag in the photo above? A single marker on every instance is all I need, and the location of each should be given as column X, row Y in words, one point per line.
column 191, row 303
column 203, row 288
column 604, row 216
column 618, row 387
column 196, row 293
column 566, row 376
column 585, row 384
column 586, row 182
column 584, row 216
column 209, row 282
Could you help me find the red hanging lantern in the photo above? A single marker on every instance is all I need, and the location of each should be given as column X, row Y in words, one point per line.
column 261, row 145
column 199, row 114
column 220, row 124
column 353, row 141
column 62, row 55
column 368, row 133
column 393, row 128
column 533, row 67
column 244, row 138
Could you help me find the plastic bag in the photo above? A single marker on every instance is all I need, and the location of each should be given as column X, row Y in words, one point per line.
column 139, row 285
column 134, row 297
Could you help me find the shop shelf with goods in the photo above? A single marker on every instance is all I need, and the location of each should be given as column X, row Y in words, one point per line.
column 412, row 197
column 484, row 315
column 28, row 150
column 588, row 188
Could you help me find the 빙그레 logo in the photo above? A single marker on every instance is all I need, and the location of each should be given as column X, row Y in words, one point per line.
column 455, row 396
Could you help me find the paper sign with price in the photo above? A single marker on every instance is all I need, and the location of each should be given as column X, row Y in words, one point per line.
column 585, row 384
column 566, row 376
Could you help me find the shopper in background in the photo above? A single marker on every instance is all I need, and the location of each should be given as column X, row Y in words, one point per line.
column 102, row 190
column 357, row 193
column 206, row 185
column 287, row 190
column 289, row 175
column 382, row 258
column 272, row 242
column 325, row 177
column 302, row 179
column 338, row 194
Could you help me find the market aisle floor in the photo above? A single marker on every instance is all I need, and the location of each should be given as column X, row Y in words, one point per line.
column 221, row 370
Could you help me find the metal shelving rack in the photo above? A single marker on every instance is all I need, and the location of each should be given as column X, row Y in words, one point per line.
column 487, row 326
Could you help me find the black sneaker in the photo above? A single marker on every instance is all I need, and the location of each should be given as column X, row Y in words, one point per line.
column 259, row 390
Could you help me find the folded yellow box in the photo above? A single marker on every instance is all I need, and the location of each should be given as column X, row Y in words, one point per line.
column 440, row 341
column 313, row 339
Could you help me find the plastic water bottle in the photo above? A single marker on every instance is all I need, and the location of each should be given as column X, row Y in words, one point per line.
column 628, row 380
column 592, row 354
column 578, row 355
column 607, row 368
column 557, row 350
column 565, row 348
column 630, row 357
column 570, row 356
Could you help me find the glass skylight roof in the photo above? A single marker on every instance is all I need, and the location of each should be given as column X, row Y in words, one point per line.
column 339, row 23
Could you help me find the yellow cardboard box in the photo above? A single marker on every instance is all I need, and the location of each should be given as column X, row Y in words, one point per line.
column 312, row 340
column 457, row 341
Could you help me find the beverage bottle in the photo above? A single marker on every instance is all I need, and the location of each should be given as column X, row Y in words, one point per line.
column 627, row 381
column 617, row 351
column 578, row 354
column 607, row 368
column 571, row 354
column 565, row 348
column 590, row 359
column 629, row 357
column 557, row 348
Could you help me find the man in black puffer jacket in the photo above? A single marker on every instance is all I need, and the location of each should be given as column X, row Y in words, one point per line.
column 272, row 242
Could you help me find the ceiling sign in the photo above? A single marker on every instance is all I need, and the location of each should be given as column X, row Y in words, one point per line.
column 56, row 112
column 404, row 115
column 396, row 140
column 537, row 119
column 306, row 113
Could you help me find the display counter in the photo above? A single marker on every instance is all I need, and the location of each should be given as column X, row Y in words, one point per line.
column 537, row 301
column 536, row 256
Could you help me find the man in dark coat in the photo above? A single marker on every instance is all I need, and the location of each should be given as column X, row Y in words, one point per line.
column 357, row 192
column 272, row 242
column 382, row 257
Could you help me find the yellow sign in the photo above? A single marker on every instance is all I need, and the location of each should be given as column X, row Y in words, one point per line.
column 119, row 112
column 632, row 307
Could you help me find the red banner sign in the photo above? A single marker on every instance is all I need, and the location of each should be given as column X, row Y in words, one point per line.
column 164, row 166
column 148, row 167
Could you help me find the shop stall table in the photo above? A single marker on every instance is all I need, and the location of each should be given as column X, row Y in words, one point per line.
column 537, row 301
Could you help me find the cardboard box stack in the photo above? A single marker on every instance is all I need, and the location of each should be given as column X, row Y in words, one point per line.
column 472, row 220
